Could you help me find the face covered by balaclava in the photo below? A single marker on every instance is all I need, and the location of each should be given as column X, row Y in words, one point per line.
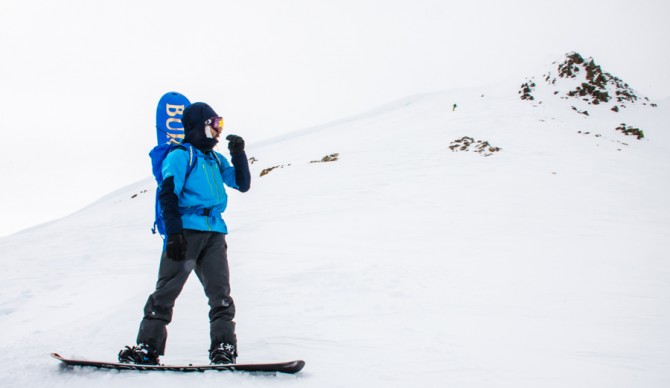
column 193, row 119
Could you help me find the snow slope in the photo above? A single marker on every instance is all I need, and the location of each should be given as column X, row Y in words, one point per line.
column 402, row 263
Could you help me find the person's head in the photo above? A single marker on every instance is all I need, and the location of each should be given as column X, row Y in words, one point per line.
column 202, row 126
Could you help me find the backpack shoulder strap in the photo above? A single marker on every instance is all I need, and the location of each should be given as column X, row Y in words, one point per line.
column 192, row 156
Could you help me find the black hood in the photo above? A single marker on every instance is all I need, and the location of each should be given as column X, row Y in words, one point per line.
column 193, row 119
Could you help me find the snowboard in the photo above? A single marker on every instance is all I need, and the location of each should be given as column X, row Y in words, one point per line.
column 169, row 128
column 276, row 367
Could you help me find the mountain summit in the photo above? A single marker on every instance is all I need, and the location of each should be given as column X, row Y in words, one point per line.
column 584, row 83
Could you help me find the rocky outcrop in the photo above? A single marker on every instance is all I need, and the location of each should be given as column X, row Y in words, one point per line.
column 630, row 131
column 467, row 143
column 582, row 79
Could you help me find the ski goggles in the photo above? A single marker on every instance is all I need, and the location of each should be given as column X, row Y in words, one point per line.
column 215, row 122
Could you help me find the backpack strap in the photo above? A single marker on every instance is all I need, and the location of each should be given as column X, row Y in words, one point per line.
column 191, row 155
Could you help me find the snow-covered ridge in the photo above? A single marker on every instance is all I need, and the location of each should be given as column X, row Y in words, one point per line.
column 403, row 257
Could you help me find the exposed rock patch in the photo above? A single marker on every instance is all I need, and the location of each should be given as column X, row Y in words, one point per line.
column 467, row 143
column 328, row 158
column 267, row 170
column 136, row 194
column 630, row 131
column 527, row 90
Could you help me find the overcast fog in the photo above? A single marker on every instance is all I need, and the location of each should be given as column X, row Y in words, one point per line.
column 81, row 79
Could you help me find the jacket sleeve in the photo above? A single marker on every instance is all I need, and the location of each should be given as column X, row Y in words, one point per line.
column 242, row 173
column 174, row 174
column 238, row 175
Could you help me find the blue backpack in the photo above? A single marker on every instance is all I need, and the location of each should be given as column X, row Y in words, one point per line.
column 157, row 155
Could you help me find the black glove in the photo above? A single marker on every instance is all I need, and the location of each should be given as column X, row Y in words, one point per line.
column 235, row 144
column 176, row 247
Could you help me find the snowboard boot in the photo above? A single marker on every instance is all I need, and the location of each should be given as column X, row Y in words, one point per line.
column 141, row 354
column 223, row 354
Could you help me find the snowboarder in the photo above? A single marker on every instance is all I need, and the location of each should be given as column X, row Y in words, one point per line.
column 454, row 107
column 192, row 201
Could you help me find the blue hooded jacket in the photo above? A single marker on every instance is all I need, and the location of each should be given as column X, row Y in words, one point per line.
column 195, row 197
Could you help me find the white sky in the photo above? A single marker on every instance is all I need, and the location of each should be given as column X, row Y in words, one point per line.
column 80, row 79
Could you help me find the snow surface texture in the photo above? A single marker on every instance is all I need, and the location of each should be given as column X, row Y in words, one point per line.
column 404, row 262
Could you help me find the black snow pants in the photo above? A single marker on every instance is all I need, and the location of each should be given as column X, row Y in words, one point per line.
column 206, row 254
